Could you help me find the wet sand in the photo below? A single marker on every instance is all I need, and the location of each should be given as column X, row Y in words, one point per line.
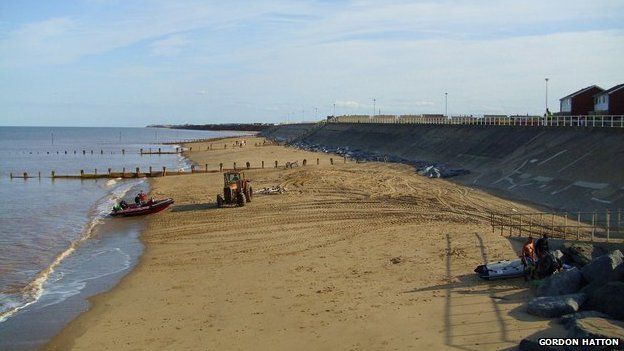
column 352, row 257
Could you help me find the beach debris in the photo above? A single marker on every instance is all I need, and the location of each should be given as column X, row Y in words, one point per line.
column 396, row 260
column 292, row 164
column 274, row 190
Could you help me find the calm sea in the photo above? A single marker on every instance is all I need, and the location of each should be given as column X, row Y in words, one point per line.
column 57, row 245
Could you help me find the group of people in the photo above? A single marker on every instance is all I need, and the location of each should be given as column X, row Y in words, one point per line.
column 139, row 200
column 537, row 259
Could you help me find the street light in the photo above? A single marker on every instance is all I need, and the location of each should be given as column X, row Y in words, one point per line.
column 446, row 104
column 546, row 98
column 334, row 114
column 374, row 101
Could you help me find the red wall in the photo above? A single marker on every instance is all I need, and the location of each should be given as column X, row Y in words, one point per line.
column 583, row 103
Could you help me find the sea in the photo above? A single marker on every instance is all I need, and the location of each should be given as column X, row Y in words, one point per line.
column 58, row 246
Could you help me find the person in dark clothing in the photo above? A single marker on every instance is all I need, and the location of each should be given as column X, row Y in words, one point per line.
column 541, row 247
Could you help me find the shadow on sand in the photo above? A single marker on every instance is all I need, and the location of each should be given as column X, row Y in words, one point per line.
column 478, row 314
column 193, row 207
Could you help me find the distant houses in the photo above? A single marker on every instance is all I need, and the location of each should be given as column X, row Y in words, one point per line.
column 610, row 102
column 580, row 102
column 593, row 100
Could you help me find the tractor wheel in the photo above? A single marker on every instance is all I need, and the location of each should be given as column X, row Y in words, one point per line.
column 219, row 201
column 249, row 194
column 227, row 193
column 240, row 199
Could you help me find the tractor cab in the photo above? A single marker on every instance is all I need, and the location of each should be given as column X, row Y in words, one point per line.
column 236, row 190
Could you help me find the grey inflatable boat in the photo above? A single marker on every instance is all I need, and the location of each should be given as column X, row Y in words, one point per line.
column 501, row 270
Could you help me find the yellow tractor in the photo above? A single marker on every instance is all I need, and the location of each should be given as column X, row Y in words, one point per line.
column 236, row 190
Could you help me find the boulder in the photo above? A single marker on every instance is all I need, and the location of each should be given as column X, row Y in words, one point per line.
column 596, row 328
column 568, row 320
column 581, row 253
column 604, row 268
column 565, row 282
column 556, row 306
column 608, row 299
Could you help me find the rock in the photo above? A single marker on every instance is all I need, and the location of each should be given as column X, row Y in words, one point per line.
column 565, row 282
column 581, row 253
column 596, row 328
column 603, row 269
column 396, row 260
column 568, row 320
column 608, row 299
column 555, row 306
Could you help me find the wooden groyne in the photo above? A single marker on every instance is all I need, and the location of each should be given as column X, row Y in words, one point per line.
column 151, row 172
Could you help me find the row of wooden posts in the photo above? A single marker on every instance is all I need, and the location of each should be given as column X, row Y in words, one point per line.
column 153, row 173
column 154, row 152
column 581, row 225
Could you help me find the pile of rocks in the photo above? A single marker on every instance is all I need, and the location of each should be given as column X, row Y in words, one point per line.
column 589, row 298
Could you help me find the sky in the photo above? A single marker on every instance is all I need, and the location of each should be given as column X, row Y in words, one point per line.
column 133, row 63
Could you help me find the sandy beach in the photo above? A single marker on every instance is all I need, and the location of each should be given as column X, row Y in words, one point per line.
column 367, row 256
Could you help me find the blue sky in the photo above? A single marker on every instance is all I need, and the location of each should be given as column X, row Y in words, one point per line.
column 132, row 63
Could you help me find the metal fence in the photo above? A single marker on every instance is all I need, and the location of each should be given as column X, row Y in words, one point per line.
column 602, row 121
column 603, row 225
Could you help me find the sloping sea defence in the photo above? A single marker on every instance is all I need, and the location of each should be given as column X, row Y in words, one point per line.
column 557, row 167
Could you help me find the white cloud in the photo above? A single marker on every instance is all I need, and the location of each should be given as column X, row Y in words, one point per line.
column 169, row 46
column 348, row 104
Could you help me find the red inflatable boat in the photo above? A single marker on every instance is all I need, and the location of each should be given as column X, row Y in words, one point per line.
column 148, row 208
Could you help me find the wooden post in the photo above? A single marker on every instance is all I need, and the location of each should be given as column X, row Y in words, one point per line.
column 619, row 220
column 234, row 165
column 84, row 152
column 159, row 151
column 220, row 167
column 150, row 171
column 25, row 175
column 344, row 159
column 95, row 171
column 81, row 173
column 317, row 161
column 123, row 151
column 190, row 148
column 530, row 223
column 123, row 172
column 262, row 164
column 141, row 152
column 206, row 167
column 192, row 168
column 331, row 160
column 91, row 152
column 520, row 226
column 109, row 171
column 275, row 164
column 225, row 146
column 39, row 175
column 101, row 152
column 305, row 162
column 593, row 226
column 52, row 174
column 565, row 226
column 248, row 165
column 74, row 152
column 164, row 172
column 608, row 224
column 578, row 225
column 11, row 175
column 137, row 172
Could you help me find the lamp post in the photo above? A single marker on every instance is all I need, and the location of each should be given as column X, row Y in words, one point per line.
column 446, row 104
column 334, row 113
column 546, row 98
column 374, row 101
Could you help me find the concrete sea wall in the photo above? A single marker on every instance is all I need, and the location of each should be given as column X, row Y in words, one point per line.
column 557, row 167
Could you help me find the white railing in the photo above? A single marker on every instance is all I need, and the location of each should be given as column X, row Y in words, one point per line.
column 603, row 121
